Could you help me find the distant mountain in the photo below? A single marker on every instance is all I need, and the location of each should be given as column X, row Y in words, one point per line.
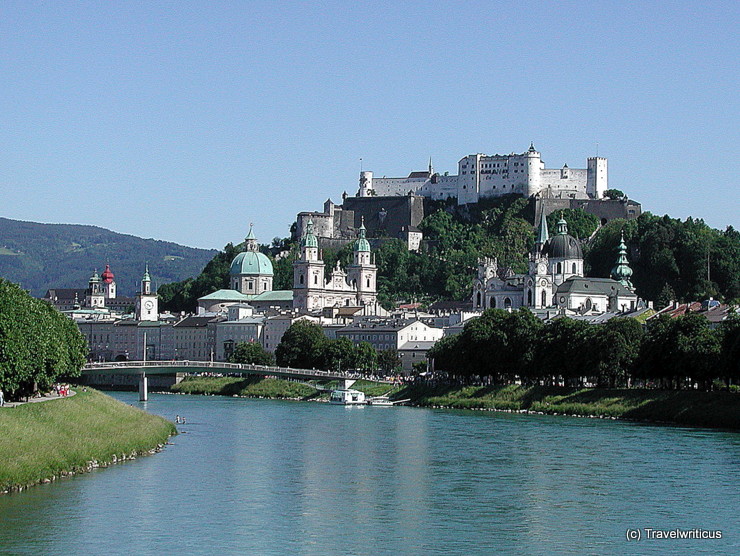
column 42, row 256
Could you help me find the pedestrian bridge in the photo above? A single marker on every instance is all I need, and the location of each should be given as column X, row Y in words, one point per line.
column 181, row 368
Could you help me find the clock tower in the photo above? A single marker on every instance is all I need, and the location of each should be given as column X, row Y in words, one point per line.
column 146, row 301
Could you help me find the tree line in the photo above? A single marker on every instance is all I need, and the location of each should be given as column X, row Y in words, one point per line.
column 38, row 344
column 666, row 352
column 305, row 346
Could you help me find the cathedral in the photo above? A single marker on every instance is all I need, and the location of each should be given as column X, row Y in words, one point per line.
column 555, row 280
column 356, row 286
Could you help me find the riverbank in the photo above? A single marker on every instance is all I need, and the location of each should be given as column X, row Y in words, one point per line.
column 259, row 387
column 680, row 407
column 40, row 442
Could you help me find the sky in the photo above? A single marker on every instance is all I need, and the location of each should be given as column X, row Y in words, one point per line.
column 187, row 121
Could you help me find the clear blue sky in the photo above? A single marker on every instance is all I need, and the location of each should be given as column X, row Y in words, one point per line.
column 186, row 121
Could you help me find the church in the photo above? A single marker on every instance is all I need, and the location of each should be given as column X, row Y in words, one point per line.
column 251, row 279
column 555, row 280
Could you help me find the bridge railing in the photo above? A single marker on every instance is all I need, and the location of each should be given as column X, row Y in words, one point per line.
column 198, row 366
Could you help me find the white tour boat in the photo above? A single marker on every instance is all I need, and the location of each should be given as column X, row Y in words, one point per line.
column 347, row 396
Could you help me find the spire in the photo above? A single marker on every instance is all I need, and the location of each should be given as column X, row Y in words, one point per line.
column 250, row 242
column 531, row 147
column 146, row 277
column 622, row 271
column 362, row 244
column 309, row 240
column 431, row 168
column 543, row 235
column 562, row 225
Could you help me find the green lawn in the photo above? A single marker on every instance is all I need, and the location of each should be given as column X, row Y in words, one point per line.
column 42, row 440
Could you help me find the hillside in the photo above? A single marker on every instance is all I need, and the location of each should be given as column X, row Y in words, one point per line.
column 671, row 259
column 43, row 256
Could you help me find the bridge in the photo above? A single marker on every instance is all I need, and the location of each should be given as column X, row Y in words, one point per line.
column 128, row 373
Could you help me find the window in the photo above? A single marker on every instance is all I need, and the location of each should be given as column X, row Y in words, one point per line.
column 559, row 268
column 574, row 268
column 544, row 298
column 301, row 279
column 315, row 279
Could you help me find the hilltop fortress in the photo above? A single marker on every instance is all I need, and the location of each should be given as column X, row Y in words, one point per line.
column 394, row 207
column 480, row 176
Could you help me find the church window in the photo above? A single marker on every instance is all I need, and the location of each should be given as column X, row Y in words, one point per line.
column 301, row 279
column 507, row 303
column 477, row 299
column 250, row 285
column 368, row 282
column 559, row 268
column 544, row 298
column 315, row 279
column 574, row 268
column 529, row 297
column 493, row 303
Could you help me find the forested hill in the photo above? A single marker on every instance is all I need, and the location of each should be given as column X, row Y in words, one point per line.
column 671, row 259
column 42, row 256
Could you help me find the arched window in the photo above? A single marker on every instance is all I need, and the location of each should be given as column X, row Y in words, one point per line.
column 315, row 279
column 559, row 268
column 368, row 282
column 574, row 268
column 301, row 279
column 507, row 303
column 477, row 299
column 544, row 298
column 529, row 297
column 493, row 303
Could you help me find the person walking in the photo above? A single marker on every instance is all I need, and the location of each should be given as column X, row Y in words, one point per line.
column 2, row 398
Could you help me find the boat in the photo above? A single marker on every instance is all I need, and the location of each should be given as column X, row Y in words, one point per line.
column 347, row 396
column 382, row 401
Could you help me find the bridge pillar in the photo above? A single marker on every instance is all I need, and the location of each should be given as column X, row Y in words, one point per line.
column 143, row 388
column 347, row 383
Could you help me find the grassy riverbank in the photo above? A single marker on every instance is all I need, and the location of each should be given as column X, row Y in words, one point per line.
column 258, row 387
column 684, row 407
column 42, row 441
column 251, row 387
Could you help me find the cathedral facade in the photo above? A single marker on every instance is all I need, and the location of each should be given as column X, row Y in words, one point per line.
column 355, row 286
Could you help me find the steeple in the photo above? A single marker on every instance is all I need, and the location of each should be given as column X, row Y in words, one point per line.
column 562, row 226
column 531, row 147
column 146, row 282
column 309, row 240
column 622, row 271
column 250, row 242
column 362, row 244
column 543, row 235
column 431, row 168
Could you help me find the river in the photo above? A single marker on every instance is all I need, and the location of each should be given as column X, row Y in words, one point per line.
column 276, row 477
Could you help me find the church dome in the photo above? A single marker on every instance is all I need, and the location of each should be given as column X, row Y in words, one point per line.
column 107, row 275
column 251, row 262
column 564, row 245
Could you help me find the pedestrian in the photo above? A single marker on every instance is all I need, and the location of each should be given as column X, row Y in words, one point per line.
column 2, row 398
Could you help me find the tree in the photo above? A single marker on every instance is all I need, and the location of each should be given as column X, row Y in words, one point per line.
column 38, row 344
column 613, row 350
column 366, row 357
column 581, row 224
column 614, row 194
column 388, row 361
column 339, row 355
column 302, row 346
column 251, row 353
column 730, row 349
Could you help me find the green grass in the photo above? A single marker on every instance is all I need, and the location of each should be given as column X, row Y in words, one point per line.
column 685, row 407
column 254, row 387
column 39, row 441
column 8, row 252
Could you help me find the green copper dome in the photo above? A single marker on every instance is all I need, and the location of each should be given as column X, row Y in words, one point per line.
column 251, row 262
column 362, row 244
column 309, row 240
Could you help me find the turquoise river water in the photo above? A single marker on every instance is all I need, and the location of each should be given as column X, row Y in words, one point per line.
column 271, row 477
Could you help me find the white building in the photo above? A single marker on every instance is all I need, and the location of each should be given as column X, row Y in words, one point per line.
column 480, row 176
column 555, row 280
